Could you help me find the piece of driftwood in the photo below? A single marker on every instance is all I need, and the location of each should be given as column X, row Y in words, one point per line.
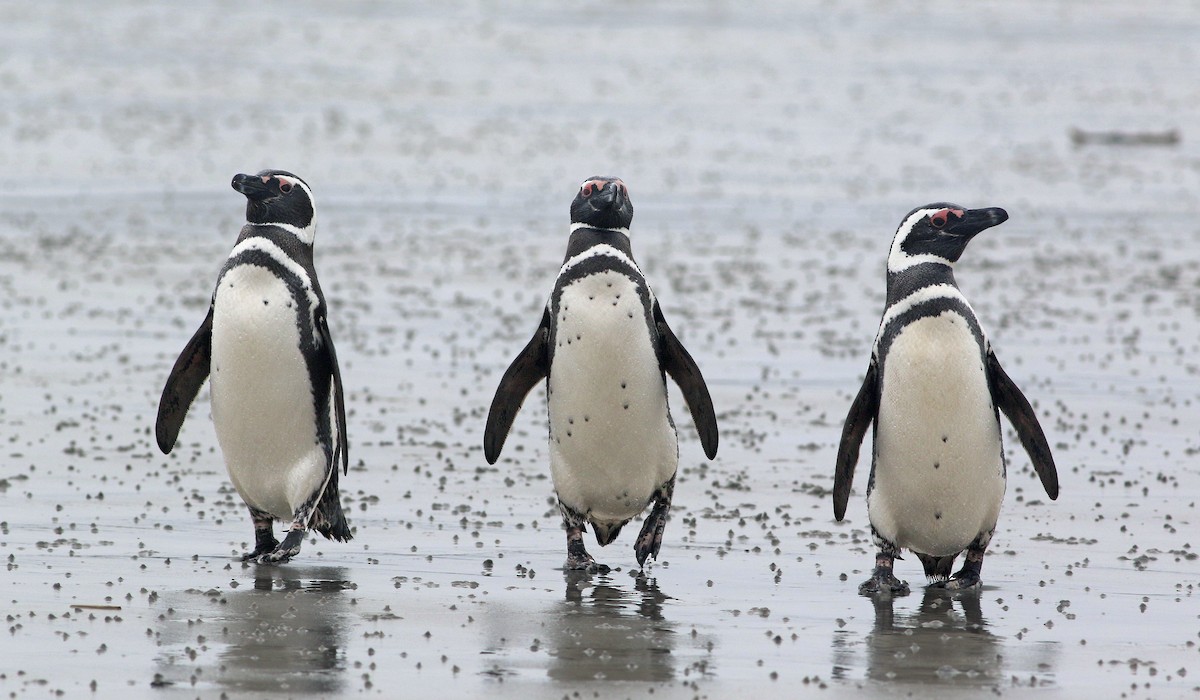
column 1170, row 137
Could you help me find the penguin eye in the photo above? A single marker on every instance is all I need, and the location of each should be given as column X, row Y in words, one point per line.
column 623, row 188
column 939, row 219
column 587, row 189
column 285, row 186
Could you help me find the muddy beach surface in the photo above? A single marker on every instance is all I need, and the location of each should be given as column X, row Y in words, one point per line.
column 770, row 152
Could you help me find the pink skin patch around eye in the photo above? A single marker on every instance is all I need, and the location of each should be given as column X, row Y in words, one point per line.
column 939, row 219
column 592, row 186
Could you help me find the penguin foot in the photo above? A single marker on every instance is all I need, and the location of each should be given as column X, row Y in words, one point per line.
column 649, row 540
column 260, row 552
column 578, row 558
column 262, row 546
column 967, row 578
column 287, row 549
column 585, row 563
column 264, row 534
column 883, row 581
column 959, row 584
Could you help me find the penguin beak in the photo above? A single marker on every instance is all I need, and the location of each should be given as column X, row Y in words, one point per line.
column 606, row 198
column 252, row 186
column 976, row 220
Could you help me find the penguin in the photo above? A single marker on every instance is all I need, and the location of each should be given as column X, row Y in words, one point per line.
column 277, row 394
column 605, row 349
column 934, row 391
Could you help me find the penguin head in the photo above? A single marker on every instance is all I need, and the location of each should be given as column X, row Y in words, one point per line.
column 939, row 233
column 603, row 203
column 277, row 197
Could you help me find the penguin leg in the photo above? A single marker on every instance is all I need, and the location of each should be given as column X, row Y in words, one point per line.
column 290, row 546
column 649, row 541
column 967, row 578
column 578, row 558
column 882, row 579
column 264, row 535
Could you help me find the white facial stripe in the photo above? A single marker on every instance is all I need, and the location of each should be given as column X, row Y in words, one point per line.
column 899, row 260
column 277, row 254
column 307, row 234
column 576, row 226
column 922, row 295
column 297, row 182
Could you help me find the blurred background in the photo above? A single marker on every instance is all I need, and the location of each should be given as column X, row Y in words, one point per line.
column 771, row 150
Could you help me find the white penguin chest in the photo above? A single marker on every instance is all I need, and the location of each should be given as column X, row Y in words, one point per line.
column 262, row 400
column 612, row 442
column 939, row 472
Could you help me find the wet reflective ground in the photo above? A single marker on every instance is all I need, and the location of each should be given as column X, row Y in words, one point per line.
column 770, row 153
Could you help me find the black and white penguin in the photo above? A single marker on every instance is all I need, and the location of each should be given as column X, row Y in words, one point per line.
column 605, row 350
column 277, row 393
column 934, row 391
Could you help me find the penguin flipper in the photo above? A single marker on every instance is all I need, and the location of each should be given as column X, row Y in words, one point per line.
column 1012, row 402
column 679, row 364
column 187, row 376
column 530, row 366
column 862, row 412
column 342, row 447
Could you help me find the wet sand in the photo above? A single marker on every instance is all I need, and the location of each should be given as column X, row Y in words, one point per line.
column 770, row 153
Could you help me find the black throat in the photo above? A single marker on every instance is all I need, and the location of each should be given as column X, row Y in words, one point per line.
column 583, row 238
column 903, row 283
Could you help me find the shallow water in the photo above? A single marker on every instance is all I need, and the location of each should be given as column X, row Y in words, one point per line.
column 771, row 152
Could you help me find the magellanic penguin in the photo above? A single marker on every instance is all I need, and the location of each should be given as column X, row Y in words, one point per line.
column 934, row 391
column 605, row 350
column 277, row 393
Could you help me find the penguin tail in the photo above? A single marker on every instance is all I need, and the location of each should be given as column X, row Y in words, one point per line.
column 937, row 568
column 607, row 532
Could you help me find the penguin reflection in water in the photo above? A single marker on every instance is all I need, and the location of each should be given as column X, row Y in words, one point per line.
column 277, row 394
column 605, row 349
column 934, row 391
